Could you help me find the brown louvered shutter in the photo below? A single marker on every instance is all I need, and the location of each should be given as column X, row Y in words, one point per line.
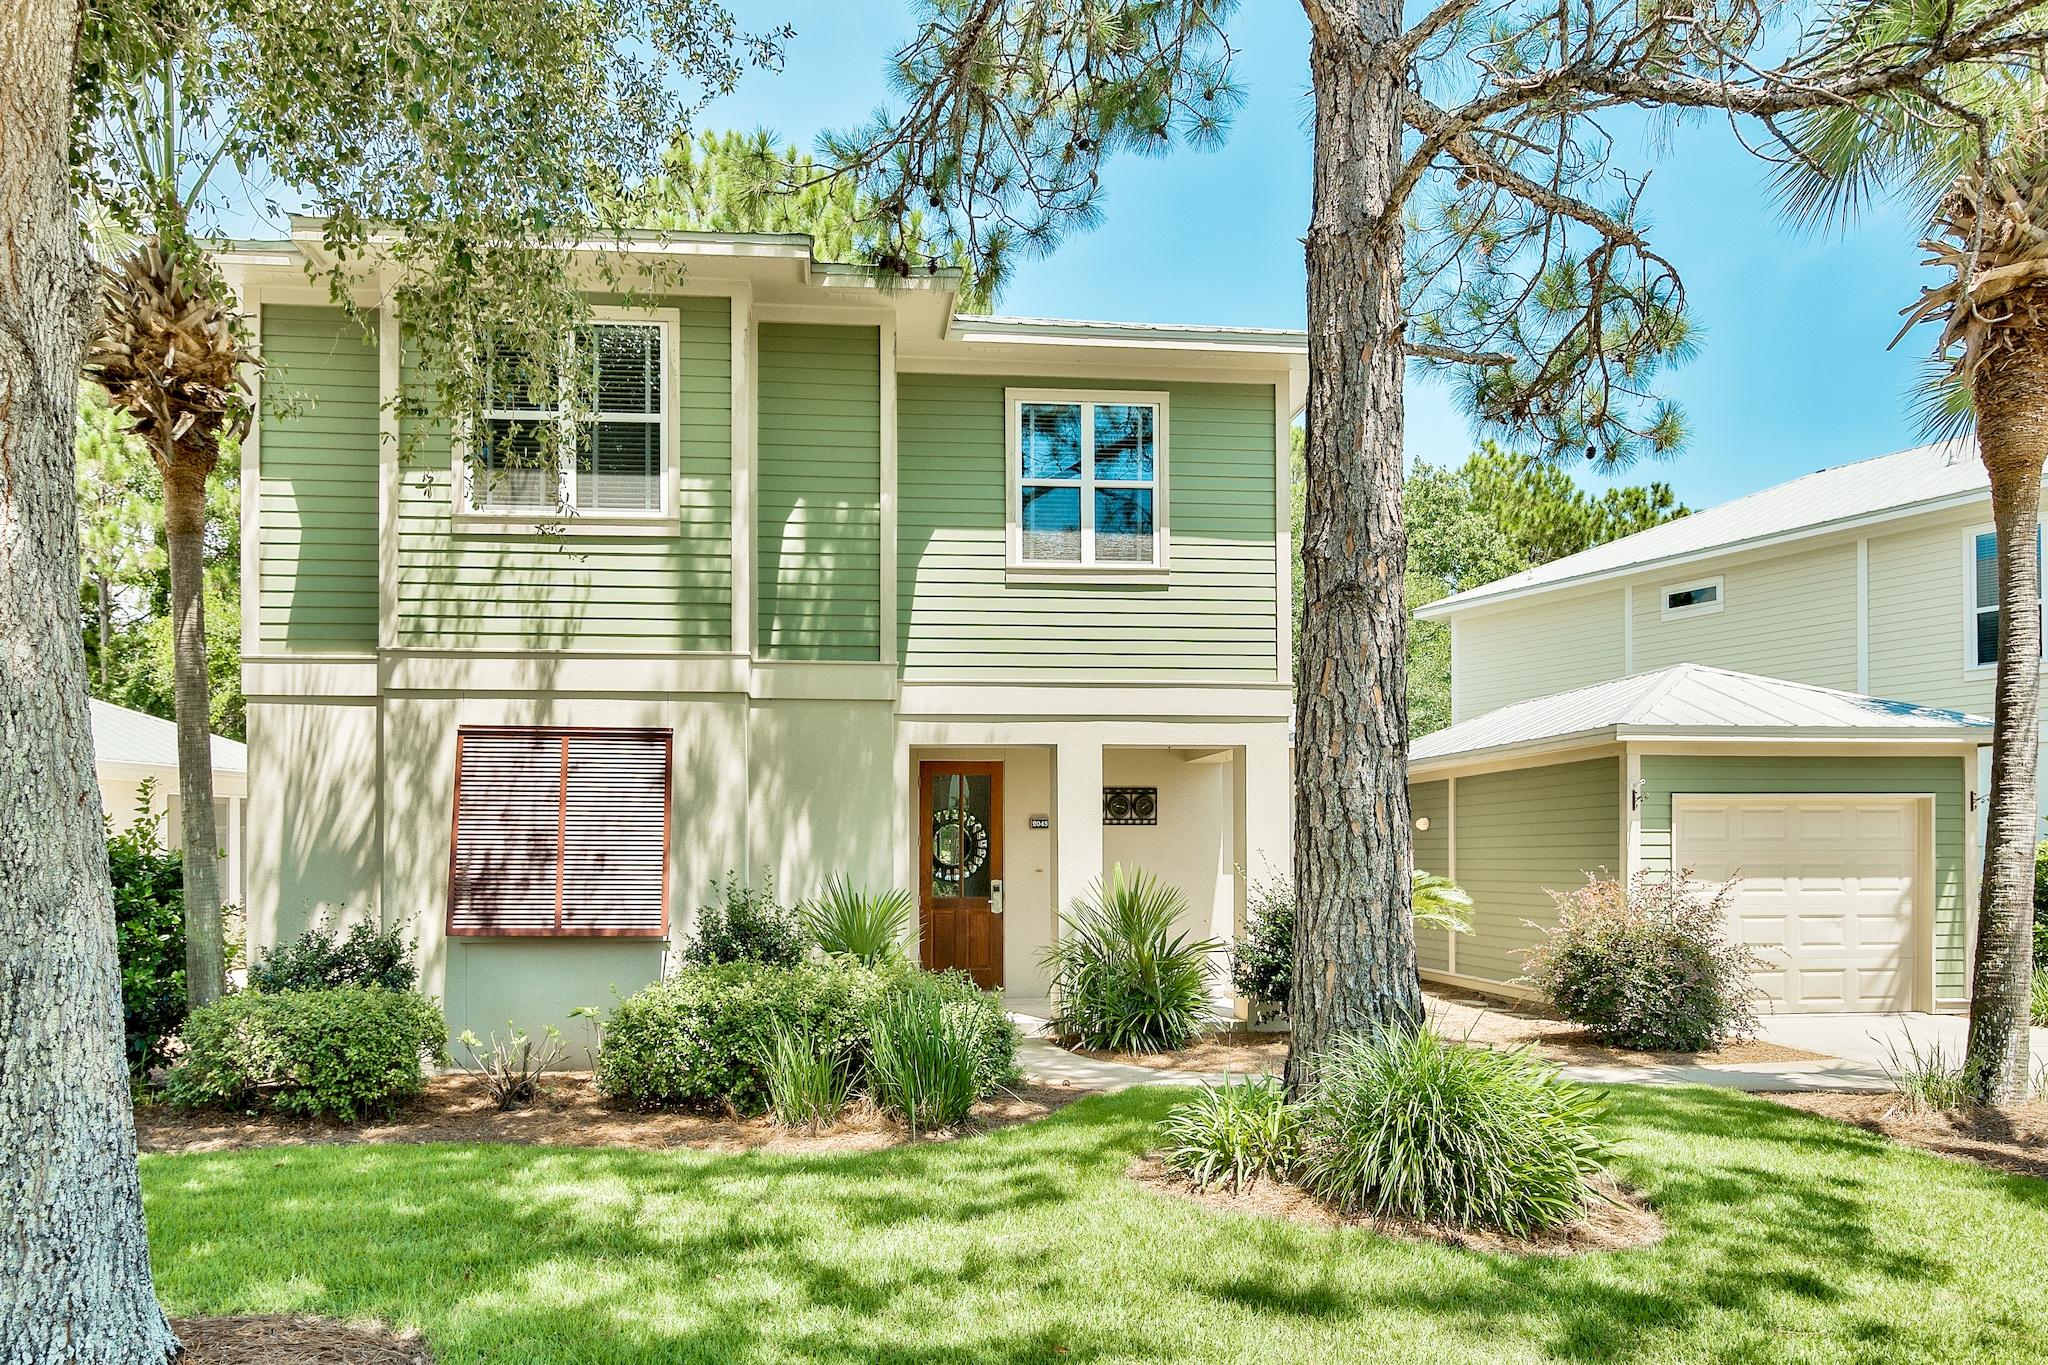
column 560, row 831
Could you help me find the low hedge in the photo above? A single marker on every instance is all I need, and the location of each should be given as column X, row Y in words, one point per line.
column 704, row 1035
column 340, row 1053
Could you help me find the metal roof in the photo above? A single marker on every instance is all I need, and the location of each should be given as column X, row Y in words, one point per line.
column 123, row 736
column 1947, row 473
column 1692, row 699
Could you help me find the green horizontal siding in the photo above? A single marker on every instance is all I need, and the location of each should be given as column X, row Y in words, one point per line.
column 1521, row 835
column 316, row 534
column 1943, row 778
column 1431, row 801
column 819, row 535
column 595, row 592
column 958, row 617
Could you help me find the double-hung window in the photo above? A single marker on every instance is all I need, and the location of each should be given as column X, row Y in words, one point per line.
column 608, row 412
column 1087, row 481
column 1982, row 649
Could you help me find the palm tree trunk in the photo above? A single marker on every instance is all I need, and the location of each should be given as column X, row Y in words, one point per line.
column 1354, row 947
column 74, row 1252
column 185, row 535
column 2011, row 397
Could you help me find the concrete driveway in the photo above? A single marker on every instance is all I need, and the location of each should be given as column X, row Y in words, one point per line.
column 1870, row 1039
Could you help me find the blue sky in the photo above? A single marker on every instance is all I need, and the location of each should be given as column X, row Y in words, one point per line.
column 1793, row 375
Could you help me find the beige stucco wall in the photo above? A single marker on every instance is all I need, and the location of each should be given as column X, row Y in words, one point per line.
column 311, row 820
column 1193, row 847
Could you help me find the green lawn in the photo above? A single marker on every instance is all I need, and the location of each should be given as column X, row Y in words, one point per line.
column 1791, row 1238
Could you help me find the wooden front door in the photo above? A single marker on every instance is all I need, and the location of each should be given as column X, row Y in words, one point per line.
column 960, row 868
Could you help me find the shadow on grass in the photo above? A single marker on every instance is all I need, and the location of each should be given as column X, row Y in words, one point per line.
column 1028, row 1245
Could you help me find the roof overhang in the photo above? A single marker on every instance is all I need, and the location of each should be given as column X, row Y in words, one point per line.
column 1551, row 747
column 1485, row 596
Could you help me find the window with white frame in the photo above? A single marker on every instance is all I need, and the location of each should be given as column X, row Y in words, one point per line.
column 1088, row 476
column 618, row 433
column 1693, row 599
column 1983, row 643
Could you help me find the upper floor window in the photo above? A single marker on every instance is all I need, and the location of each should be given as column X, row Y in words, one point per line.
column 610, row 454
column 1983, row 637
column 1087, row 481
column 1693, row 599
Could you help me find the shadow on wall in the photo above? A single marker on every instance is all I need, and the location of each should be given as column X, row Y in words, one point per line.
column 823, row 795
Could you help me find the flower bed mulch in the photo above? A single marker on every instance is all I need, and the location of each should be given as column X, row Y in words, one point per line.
column 1617, row 1221
column 1463, row 1017
column 290, row 1339
column 570, row 1113
column 1239, row 1052
column 2014, row 1139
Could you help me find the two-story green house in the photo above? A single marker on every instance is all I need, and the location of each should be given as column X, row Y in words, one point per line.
column 849, row 583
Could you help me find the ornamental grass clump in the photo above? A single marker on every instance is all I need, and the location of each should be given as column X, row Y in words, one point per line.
column 1124, row 978
column 1233, row 1134
column 808, row 1078
column 1404, row 1124
column 1648, row 963
column 924, row 1063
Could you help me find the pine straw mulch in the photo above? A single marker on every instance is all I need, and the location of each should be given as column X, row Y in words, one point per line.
column 290, row 1339
column 570, row 1113
column 1463, row 1017
column 2013, row 1140
column 1618, row 1220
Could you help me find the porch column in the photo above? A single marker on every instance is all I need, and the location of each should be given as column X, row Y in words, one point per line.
column 1268, row 796
column 1077, row 820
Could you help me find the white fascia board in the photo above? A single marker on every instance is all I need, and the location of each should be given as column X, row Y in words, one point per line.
column 1480, row 597
column 1832, row 736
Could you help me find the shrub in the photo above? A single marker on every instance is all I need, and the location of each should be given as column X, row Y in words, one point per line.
column 321, row 959
column 340, row 1053
column 1262, row 961
column 2037, row 1006
column 924, row 1061
column 705, row 1035
column 868, row 926
column 2041, row 906
column 808, row 1080
column 511, row 1069
column 1235, row 1133
column 1408, row 1125
column 1923, row 1082
column 744, row 924
column 149, row 932
column 1648, row 964
column 1123, row 978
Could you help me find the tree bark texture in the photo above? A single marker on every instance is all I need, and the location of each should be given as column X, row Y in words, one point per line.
column 199, row 841
column 1354, row 941
column 74, row 1254
column 2011, row 399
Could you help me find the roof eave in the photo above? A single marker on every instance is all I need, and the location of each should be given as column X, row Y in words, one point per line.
column 1479, row 597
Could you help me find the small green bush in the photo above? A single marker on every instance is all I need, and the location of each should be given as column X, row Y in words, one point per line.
column 1262, row 960
column 321, row 959
column 807, row 1079
column 2037, row 1006
column 868, row 926
column 1648, row 964
column 341, row 1053
column 2041, row 906
column 705, row 1035
column 744, row 924
column 1123, row 978
column 1408, row 1125
column 149, row 932
column 1236, row 1133
column 924, row 1061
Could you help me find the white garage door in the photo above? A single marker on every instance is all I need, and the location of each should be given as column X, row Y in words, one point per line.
column 1827, row 893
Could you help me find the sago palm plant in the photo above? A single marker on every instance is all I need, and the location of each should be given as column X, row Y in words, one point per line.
column 847, row 921
column 1124, row 977
column 1968, row 148
column 1441, row 903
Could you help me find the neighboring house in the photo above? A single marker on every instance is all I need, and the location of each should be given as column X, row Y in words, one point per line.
column 975, row 606
column 130, row 748
column 1874, row 579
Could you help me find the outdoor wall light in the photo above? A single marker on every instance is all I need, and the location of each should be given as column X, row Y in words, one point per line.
column 1422, row 822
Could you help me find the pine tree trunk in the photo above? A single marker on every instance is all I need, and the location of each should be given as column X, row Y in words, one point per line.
column 185, row 535
column 74, row 1254
column 1354, row 944
column 2011, row 393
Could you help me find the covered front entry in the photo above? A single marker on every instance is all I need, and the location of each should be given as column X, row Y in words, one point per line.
column 1829, row 894
column 960, row 872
